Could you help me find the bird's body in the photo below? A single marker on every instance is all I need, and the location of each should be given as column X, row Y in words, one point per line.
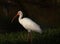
column 29, row 25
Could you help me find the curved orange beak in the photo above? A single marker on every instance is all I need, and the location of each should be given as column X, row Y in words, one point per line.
column 14, row 18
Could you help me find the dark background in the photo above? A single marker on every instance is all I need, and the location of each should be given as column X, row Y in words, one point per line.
column 45, row 12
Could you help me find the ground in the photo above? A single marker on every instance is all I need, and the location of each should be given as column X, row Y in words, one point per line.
column 49, row 36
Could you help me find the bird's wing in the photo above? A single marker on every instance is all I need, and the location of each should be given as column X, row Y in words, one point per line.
column 29, row 24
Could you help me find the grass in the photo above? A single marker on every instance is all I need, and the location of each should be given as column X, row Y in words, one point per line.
column 50, row 36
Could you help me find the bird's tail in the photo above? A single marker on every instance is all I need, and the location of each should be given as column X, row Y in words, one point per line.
column 40, row 31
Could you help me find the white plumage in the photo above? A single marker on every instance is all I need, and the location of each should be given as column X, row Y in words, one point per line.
column 28, row 23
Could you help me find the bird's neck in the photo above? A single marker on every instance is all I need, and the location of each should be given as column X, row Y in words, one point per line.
column 20, row 17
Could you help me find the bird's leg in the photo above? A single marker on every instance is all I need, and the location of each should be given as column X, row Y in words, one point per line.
column 30, row 37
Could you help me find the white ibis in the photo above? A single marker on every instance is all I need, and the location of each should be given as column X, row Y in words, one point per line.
column 28, row 24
